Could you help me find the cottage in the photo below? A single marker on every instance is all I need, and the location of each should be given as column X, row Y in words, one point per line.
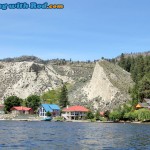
column 74, row 113
column 52, row 108
column 2, row 109
column 144, row 104
column 102, row 114
column 19, row 110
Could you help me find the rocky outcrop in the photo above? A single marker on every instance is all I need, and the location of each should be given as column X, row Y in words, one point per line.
column 107, row 89
column 25, row 78
column 99, row 86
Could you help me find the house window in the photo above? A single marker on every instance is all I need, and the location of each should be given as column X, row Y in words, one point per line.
column 76, row 113
column 42, row 112
column 72, row 113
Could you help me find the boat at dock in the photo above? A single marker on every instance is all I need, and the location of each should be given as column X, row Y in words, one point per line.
column 47, row 119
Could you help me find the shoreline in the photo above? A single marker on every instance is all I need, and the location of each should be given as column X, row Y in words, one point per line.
column 76, row 121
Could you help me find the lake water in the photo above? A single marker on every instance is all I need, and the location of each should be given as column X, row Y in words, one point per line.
column 73, row 136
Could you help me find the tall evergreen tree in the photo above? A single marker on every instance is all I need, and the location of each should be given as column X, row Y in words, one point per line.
column 132, row 69
column 139, row 67
column 122, row 61
column 144, row 87
column 64, row 97
column 147, row 64
column 128, row 64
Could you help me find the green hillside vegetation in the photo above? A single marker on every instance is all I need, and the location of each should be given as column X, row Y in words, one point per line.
column 139, row 67
column 58, row 96
column 129, row 113
column 51, row 96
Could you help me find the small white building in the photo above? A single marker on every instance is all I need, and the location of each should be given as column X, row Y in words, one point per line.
column 74, row 113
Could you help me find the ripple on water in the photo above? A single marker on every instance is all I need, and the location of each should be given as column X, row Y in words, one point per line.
column 51, row 135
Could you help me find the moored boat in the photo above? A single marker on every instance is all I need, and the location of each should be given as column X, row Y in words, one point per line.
column 47, row 119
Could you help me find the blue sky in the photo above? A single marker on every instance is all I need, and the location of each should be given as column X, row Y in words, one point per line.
column 83, row 30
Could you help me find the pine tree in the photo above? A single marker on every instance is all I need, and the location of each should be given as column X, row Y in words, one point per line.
column 132, row 69
column 140, row 67
column 122, row 61
column 147, row 64
column 128, row 64
column 144, row 87
column 64, row 97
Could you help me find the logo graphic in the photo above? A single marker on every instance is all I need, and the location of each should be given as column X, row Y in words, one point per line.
column 32, row 5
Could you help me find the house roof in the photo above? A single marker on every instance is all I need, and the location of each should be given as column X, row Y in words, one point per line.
column 54, row 106
column 2, row 106
column 142, row 105
column 147, row 100
column 138, row 106
column 19, row 108
column 50, row 107
column 102, row 113
column 75, row 108
column 47, row 108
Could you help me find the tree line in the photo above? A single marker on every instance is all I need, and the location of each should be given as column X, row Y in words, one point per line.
column 139, row 67
column 34, row 101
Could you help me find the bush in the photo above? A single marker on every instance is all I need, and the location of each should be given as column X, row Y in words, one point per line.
column 93, row 120
column 97, row 115
column 89, row 115
column 115, row 115
column 131, row 115
column 48, row 114
column 103, row 119
column 143, row 115
column 59, row 118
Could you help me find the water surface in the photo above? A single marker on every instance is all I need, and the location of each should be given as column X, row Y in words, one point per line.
column 73, row 136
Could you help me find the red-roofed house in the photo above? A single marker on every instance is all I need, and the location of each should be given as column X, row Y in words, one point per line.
column 102, row 114
column 21, row 110
column 74, row 112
